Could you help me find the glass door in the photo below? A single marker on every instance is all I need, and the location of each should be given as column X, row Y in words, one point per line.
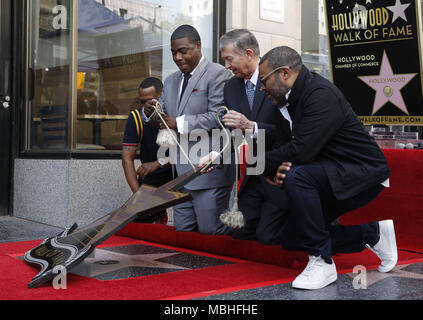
column 49, row 60
column 5, row 103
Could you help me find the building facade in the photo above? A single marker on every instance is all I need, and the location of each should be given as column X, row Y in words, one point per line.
column 70, row 72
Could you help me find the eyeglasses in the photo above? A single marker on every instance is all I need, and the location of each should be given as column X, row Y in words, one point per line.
column 263, row 79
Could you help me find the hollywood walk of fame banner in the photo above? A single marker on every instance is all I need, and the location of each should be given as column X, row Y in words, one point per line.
column 375, row 58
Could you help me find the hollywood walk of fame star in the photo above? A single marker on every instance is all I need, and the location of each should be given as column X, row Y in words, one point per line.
column 398, row 10
column 388, row 86
column 374, row 276
column 105, row 261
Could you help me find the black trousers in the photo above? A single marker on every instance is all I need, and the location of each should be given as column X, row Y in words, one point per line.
column 265, row 208
column 313, row 208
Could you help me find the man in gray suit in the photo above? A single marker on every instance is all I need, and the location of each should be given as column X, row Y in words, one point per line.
column 190, row 99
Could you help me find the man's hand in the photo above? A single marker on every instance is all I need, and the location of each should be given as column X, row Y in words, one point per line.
column 146, row 168
column 149, row 107
column 280, row 174
column 210, row 157
column 170, row 121
column 237, row 120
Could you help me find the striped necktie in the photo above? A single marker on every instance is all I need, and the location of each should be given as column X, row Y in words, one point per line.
column 249, row 89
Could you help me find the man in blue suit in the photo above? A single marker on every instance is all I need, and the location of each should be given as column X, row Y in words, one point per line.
column 261, row 203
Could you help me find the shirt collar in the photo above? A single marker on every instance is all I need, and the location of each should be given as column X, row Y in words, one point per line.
column 286, row 104
column 287, row 94
column 254, row 77
column 192, row 72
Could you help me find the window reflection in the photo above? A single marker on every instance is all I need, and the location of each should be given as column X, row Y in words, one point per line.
column 49, row 75
column 314, row 40
column 120, row 43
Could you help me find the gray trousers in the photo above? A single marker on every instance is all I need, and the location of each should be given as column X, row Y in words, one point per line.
column 202, row 213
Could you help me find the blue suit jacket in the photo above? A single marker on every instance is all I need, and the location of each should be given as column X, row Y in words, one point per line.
column 264, row 113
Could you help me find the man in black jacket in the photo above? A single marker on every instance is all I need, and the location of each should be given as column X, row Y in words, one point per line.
column 336, row 167
column 262, row 204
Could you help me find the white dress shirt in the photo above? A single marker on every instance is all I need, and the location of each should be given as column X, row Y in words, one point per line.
column 284, row 110
column 180, row 120
column 253, row 80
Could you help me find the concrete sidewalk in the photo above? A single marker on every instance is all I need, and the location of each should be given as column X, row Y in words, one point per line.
column 15, row 229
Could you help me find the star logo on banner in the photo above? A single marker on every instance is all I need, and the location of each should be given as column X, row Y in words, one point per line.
column 374, row 276
column 105, row 261
column 398, row 10
column 388, row 86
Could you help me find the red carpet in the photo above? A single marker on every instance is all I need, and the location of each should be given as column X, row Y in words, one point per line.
column 252, row 250
column 402, row 202
column 241, row 274
column 15, row 274
column 253, row 265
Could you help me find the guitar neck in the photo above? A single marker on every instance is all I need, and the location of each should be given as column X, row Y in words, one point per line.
column 178, row 183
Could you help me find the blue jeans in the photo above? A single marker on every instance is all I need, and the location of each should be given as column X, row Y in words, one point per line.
column 313, row 208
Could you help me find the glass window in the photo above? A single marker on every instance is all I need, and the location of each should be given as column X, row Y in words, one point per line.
column 314, row 40
column 83, row 83
column 49, row 75
column 120, row 43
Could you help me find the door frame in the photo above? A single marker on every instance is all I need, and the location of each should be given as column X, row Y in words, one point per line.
column 6, row 105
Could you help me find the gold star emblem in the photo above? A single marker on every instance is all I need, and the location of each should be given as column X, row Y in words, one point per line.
column 388, row 86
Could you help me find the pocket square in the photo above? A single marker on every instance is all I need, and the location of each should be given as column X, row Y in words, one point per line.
column 194, row 90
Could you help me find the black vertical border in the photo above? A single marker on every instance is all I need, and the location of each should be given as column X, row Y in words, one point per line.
column 219, row 27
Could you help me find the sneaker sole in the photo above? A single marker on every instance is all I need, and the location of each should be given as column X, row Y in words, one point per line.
column 388, row 227
column 308, row 286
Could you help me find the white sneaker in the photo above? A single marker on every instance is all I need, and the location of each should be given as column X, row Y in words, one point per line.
column 386, row 248
column 316, row 275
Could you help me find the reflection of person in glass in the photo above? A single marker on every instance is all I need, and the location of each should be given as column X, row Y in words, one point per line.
column 152, row 171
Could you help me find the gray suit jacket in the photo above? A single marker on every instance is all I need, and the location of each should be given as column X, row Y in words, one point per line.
column 202, row 97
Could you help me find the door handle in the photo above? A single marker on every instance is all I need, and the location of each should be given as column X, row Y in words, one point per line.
column 5, row 101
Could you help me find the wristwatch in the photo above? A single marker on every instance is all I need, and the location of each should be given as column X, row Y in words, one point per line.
column 163, row 161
